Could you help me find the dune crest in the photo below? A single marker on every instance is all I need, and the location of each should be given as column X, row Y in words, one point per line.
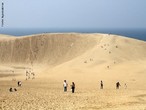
column 54, row 49
column 51, row 49
column 72, row 52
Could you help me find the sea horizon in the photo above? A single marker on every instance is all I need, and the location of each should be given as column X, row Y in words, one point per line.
column 139, row 34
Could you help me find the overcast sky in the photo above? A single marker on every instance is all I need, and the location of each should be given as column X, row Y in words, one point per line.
column 75, row 13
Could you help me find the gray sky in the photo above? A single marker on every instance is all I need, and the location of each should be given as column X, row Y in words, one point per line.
column 75, row 13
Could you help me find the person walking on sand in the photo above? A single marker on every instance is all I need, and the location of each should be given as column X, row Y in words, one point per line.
column 65, row 86
column 117, row 85
column 101, row 85
column 19, row 83
column 27, row 75
column 11, row 89
column 73, row 87
column 125, row 86
column 33, row 75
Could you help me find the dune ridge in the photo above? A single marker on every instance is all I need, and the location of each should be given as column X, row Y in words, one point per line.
column 58, row 48
column 46, row 48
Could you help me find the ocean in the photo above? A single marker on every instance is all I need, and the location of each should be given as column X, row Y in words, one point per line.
column 132, row 33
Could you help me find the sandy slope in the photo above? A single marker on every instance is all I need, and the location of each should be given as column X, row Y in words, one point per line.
column 85, row 59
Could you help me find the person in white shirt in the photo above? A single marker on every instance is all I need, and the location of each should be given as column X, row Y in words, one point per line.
column 65, row 86
column 19, row 83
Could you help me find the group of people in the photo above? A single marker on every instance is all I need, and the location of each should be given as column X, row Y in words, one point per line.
column 117, row 85
column 11, row 89
column 65, row 86
column 29, row 74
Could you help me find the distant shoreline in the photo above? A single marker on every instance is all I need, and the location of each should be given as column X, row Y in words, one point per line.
column 139, row 34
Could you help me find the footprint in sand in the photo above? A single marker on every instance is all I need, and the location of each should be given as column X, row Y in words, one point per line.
column 108, row 67
column 85, row 61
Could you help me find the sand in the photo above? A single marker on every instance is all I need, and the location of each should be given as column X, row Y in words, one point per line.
column 85, row 59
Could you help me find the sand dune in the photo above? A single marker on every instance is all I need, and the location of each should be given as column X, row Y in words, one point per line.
column 51, row 49
column 85, row 59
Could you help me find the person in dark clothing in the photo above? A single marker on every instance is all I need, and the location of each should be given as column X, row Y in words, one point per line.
column 19, row 83
column 73, row 87
column 101, row 85
column 15, row 89
column 117, row 85
column 11, row 90
column 125, row 86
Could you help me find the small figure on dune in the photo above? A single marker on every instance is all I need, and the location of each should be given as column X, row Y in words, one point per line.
column 15, row 89
column 33, row 75
column 116, row 46
column 27, row 74
column 101, row 85
column 117, row 85
column 125, row 86
column 85, row 61
column 108, row 67
column 13, row 79
column 11, row 89
column 91, row 59
column 73, row 87
column 19, row 83
column 109, row 52
column 65, row 85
